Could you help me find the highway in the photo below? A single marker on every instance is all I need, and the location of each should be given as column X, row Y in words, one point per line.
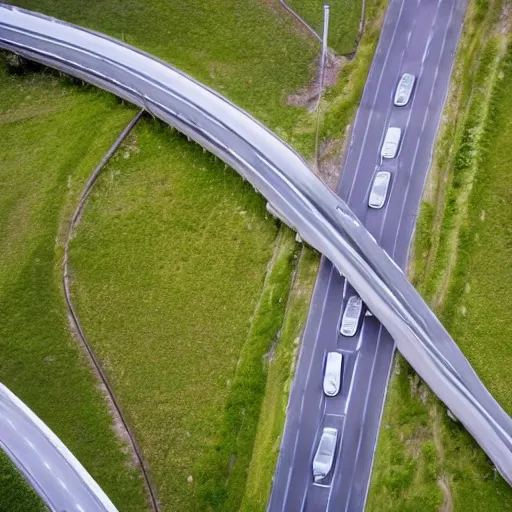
column 51, row 469
column 419, row 37
column 320, row 217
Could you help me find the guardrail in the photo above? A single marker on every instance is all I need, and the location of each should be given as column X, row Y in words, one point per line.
column 300, row 198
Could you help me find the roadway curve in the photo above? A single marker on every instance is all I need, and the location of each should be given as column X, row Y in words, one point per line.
column 420, row 37
column 322, row 219
column 51, row 469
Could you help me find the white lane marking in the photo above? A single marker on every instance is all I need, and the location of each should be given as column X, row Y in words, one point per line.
column 288, row 482
column 333, row 415
column 396, row 239
column 30, row 443
column 377, row 90
column 422, row 70
column 423, row 127
column 62, row 483
column 351, row 385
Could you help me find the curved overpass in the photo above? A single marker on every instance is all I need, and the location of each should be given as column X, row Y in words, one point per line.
column 293, row 191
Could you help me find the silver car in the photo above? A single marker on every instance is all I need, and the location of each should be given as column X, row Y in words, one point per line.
column 379, row 191
column 332, row 375
column 324, row 456
column 351, row 316
column 404, row 90
column 391, row 142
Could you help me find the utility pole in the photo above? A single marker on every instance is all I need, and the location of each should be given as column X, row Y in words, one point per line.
column 323, row 58
column 324, row 45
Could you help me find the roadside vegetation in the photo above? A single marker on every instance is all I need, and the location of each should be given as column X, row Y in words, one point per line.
column 51, row 136
column 340, row 102
column 425, row 460
column 281, row 364
column 344, row 20
column 170, row 264
column 178, row 297
column 17, row 495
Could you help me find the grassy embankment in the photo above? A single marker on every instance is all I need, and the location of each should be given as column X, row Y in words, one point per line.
column 281, row 367
column 424, row 460
column 51, row 136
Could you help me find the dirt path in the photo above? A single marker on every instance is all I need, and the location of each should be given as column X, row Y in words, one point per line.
column 447, row 505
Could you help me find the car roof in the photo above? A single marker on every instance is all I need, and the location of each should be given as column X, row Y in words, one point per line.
column 393, row 129
column 382, row 173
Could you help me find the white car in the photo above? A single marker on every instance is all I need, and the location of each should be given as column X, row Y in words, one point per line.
column 324, row 456
column 332, row 374
column 351, row 316
column 404, row 90
column 391, row 142
column 379, row 191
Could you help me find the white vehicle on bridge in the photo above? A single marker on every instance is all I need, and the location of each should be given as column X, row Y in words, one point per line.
column 391, row 142
column 404, row 90
column 351, row 316
column 332, row 375
column 379, row 191
column 324, row 456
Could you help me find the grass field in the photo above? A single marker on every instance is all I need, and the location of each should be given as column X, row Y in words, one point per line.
column 51, row 135
column 425, row 461
column 343, row 21
column 166, row 282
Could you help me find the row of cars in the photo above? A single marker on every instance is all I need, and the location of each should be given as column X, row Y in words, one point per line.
column 323, row 460
column 391, row 145
column 324, row 456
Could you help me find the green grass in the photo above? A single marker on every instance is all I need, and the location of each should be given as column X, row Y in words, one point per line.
column 465, row 164
column 464, row 227
column 51, row 135
column 454, row 160
column 344, row 17
column 481, row 283
column 17, row 495
column 221, row 486
column 166, row 281
column 280, row 374
column 405, row 473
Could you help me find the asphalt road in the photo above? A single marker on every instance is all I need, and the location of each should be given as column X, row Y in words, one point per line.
column 51, row 469
column 418, row 37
